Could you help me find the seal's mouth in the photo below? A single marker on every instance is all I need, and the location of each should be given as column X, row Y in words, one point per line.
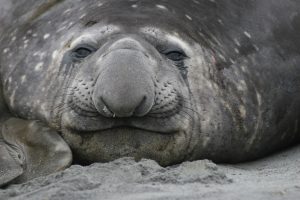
column 74, row 123
column 121, row 128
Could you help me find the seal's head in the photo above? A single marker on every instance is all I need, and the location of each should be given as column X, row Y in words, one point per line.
column 167, row 81
column 129, row 93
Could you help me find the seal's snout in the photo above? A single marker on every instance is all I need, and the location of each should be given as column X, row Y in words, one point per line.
column 125, row 86
column 126, row 43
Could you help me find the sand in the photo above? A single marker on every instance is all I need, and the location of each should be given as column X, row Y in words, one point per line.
column 275, row 177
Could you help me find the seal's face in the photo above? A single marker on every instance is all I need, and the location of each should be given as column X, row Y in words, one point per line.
column 128, row 95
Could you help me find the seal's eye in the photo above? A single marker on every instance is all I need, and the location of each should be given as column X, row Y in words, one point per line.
column 176, row 55
column 82, row 52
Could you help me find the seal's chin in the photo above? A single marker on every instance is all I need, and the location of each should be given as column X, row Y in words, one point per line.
column 124, row 141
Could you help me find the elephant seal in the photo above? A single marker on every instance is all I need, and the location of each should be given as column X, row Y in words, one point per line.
column 166, row 80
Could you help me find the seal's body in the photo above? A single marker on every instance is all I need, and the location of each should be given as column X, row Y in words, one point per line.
column 167, row 80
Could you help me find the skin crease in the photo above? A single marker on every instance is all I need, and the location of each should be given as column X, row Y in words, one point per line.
column 165, row 80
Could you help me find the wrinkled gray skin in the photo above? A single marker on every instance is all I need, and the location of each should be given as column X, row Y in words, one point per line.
column 166, row 80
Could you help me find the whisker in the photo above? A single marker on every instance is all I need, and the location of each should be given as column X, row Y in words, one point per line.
column 177, row 117
column 186, row 114
column 192, row 110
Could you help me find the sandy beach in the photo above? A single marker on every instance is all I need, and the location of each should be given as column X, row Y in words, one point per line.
column 275, row 177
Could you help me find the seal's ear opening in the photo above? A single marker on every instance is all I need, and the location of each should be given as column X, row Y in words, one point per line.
column 10, row 169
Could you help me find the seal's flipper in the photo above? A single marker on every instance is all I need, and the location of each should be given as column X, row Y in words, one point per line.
column 10, row 162
column 10, row 168
column 38, row 150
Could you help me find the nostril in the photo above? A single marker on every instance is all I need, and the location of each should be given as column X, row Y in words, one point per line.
column 125, row 109
column 103, row 108
column 110, row 108
column 141, row 110
column 108, row 112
